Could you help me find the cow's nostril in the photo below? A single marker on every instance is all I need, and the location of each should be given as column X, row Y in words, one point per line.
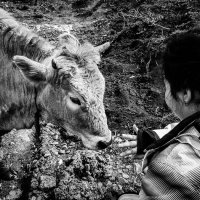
column 103, row 144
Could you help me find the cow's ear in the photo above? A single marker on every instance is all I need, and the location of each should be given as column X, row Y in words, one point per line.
column 32, row 70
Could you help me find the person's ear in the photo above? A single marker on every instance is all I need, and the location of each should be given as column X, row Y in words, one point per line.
column 187, row 96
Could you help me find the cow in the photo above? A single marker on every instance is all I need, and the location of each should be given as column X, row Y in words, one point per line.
column 60, row 84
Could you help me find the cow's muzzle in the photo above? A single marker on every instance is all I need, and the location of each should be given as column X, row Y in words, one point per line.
column 103, row 144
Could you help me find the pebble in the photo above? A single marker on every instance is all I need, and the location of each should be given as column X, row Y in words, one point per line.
column 34, row 183
column 60, row 162
column 126, row 176
column 13, row 186
column 51, row 133
column 47, row 182
column 62, row 151
column 14, row 194
column 90, row 178
column 47, row 154
column 68, row 151
column 109, row 183
column 113, row 178
column 55, row 137
column 54, row 143
column 78, row 196
column 39, row 198
column 108, row 173
column 121, row 180
column 107, row 156
column 129, row 166
column 54, row 151
column 35, row 161
column 65, row 146
column 120, row 187
column 1, row 154
column 125, row 170
column 100, row 186
column 115, row 187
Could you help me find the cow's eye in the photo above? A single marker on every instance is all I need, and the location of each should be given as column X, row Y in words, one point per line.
column 75, row 100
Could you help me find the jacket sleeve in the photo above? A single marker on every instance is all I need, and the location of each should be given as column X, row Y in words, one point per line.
column 164, row 182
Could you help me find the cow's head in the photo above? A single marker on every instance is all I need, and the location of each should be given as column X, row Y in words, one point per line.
column 73, row 89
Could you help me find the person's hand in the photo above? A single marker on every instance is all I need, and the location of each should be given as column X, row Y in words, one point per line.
column 131, row 142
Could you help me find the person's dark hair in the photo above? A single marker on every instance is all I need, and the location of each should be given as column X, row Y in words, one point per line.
column 181, row 62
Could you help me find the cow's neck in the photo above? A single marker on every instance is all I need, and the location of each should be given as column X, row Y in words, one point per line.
column 17, row 98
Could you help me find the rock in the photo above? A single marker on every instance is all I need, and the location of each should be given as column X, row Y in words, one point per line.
column 14, row 194
column 54, row 151
column 34, row 183
column 129, row 166
column 113, row 178
column 62, row 151
column 60, row 162
column 100, row 187
column 47, row 154
column 55, row 143
column 55, row 137
column 126, row 176
column 65, row 146
column 47, row 182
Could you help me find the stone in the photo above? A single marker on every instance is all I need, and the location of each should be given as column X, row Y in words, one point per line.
column 47, row 182
column 14, row 194
column 126, row 176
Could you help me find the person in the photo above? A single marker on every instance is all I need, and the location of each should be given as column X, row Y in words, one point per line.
column 171, row 163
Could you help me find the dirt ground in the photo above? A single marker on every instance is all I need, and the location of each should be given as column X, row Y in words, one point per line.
column 53, row 167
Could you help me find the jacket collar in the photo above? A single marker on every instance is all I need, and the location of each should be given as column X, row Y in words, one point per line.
column 176, row 131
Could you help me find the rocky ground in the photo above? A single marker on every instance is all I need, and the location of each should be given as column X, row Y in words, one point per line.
column 53, row 167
